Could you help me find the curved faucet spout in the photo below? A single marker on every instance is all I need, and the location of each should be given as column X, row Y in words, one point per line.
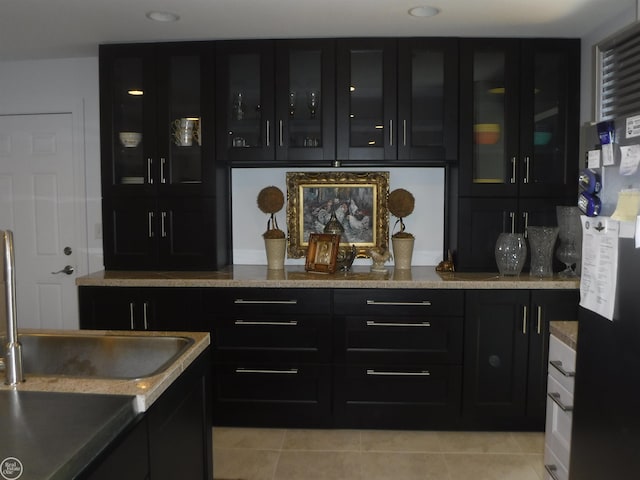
column 13, row 349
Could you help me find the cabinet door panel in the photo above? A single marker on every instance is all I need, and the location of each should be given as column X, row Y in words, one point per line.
column 496, row 350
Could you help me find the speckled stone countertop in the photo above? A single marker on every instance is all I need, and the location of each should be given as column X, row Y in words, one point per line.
column 566, row 332
column 296, row 277
column 144, row 390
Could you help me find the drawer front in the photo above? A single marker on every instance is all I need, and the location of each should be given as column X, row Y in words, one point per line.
column 558, row 423
column 392, row 302
column 405, row 340
column 268, row 301
column 298, row 338
column 402, row 397
column 562, row 363
column 553, row 469
column 278, row 395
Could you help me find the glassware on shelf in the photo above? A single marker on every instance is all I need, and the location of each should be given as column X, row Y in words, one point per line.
column 313, row 101
column 292, row 103
column 237, row 106
column 511, row 253
column 541, row 242
column 570, row 227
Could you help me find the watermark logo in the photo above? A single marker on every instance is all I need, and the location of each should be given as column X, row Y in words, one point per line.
column 11, row 468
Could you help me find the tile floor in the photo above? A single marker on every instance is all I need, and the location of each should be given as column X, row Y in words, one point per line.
column 283, row 454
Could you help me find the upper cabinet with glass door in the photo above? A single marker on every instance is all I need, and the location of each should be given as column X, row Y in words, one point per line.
column 155, row 132
column 519, row 117
column 276, row 102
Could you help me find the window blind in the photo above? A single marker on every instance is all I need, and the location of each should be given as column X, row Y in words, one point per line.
column 619, row 74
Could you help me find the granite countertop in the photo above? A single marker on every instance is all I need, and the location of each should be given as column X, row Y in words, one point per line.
column 294, row 276
column 566, row 332
column 143, row 390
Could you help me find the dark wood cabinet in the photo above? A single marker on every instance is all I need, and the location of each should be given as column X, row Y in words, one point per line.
column 398, row 358
column 519, row 124
column 171, row 440
column 165, row 201
column 272, row 356
column 143, row 308
column 506, row 350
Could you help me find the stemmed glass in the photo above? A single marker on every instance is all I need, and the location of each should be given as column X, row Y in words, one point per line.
column 313, row 101
column 569, row 231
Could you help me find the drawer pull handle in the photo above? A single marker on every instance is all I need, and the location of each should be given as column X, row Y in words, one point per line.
column 288, row 371
column 371, row 323
column 423, row 303
column 423, row 373
column 557, row 364
column 290, row 323
column 551, row 470
column 556, row 398
column 242, row 301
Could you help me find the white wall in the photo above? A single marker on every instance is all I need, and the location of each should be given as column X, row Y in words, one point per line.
column 426, row 222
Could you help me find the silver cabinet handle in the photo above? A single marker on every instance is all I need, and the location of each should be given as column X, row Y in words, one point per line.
column 423, row 303
column 551, row 470
column 557, row 364
column 286, row 371
column 423, row 373
column 149, row 166
column 391, row 133
column 539, row 323
column 558, row 401
column 404, row 133
column 131, row 314
column 280, row 135
column 290, row 323
column 525, row 215
column 524, row 319
column 268, row 143
column 513, row 170
column 527, row 160
column 162, row 163
column 372, row 323
column 150, row 220
column 163, row 230
column 145, row 320
column 512, row 216
column 242, row 301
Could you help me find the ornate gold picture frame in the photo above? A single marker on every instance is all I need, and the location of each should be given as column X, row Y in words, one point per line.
column 357, row 199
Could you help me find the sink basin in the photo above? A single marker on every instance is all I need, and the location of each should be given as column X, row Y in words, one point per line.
column 99, row 356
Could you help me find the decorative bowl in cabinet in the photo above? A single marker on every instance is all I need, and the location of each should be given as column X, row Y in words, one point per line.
column 486, row 133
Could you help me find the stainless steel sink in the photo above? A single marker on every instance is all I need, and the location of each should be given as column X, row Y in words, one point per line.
column 98, row 356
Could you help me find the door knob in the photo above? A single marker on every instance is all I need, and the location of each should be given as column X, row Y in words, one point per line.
column 67, row 269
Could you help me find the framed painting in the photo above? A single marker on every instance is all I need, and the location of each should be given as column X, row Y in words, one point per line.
column 322, row 252
column 357, row 200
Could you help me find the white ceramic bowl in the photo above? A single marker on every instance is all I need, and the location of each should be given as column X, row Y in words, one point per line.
column 130, row 139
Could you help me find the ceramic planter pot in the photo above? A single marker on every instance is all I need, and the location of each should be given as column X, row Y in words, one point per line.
column 402, row 252
column 275, row 248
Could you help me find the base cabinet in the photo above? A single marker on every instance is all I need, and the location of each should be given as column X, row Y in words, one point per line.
column 171, row 440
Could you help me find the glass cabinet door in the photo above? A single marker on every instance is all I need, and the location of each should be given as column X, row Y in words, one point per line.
column 366, row 100
column 489, row 108
column 427, row 100
column 181, row 127
column 305, row 100
column 245, row 73
column 128, row 140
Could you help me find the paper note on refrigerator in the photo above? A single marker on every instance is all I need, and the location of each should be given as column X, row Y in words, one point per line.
column 629, row 159
column 599, row 264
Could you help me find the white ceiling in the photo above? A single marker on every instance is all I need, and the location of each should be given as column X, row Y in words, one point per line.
column 32, row 29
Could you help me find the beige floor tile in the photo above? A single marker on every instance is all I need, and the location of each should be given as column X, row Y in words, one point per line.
column 403, row 466
column 537, row 463
column 478, row 442
column 400, row 441
column 490, row 467
column 335, row 440
column 529, row 442
column 306, row 465
column 245, row 464
column 260, row 438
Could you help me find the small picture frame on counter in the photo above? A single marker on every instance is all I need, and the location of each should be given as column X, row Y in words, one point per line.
column 322, row 252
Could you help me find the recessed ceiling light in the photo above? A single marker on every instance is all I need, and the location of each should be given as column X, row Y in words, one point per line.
column 163, row 16
column 424, row 11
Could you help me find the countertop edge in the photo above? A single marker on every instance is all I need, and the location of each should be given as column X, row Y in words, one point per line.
column 566, row 332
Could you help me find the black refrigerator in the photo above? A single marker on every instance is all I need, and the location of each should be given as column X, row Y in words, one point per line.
column 605, row 442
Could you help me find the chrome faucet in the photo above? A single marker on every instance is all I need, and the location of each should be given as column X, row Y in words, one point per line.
column 13, row 349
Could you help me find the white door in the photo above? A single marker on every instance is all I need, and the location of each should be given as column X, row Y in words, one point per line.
column 37, row 202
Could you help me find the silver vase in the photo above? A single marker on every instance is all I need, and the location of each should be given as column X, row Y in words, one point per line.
column 541, row 242
column 511, row 253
